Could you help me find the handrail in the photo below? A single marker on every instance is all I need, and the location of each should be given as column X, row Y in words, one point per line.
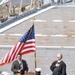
column 16, row 18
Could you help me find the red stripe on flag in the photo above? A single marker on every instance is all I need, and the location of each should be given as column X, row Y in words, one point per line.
column 28, row 52
column 30, row 42
column 28, row 47
column 17, row 51
column 12, row 53
column 6, row 57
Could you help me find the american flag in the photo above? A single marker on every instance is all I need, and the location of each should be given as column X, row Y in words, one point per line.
column 25, row 45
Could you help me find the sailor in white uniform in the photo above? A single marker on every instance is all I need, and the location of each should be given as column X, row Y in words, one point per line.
column 5, row 73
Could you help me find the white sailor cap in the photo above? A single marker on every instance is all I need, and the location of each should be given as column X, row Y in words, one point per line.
column 5, row 73
column 38, row 69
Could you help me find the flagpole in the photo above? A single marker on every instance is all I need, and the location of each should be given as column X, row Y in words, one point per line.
column 35, row 52
column 35, row 60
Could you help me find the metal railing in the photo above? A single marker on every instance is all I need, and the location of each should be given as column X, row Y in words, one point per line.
column 8, row 22
column 30, row 12
column 17, row 18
